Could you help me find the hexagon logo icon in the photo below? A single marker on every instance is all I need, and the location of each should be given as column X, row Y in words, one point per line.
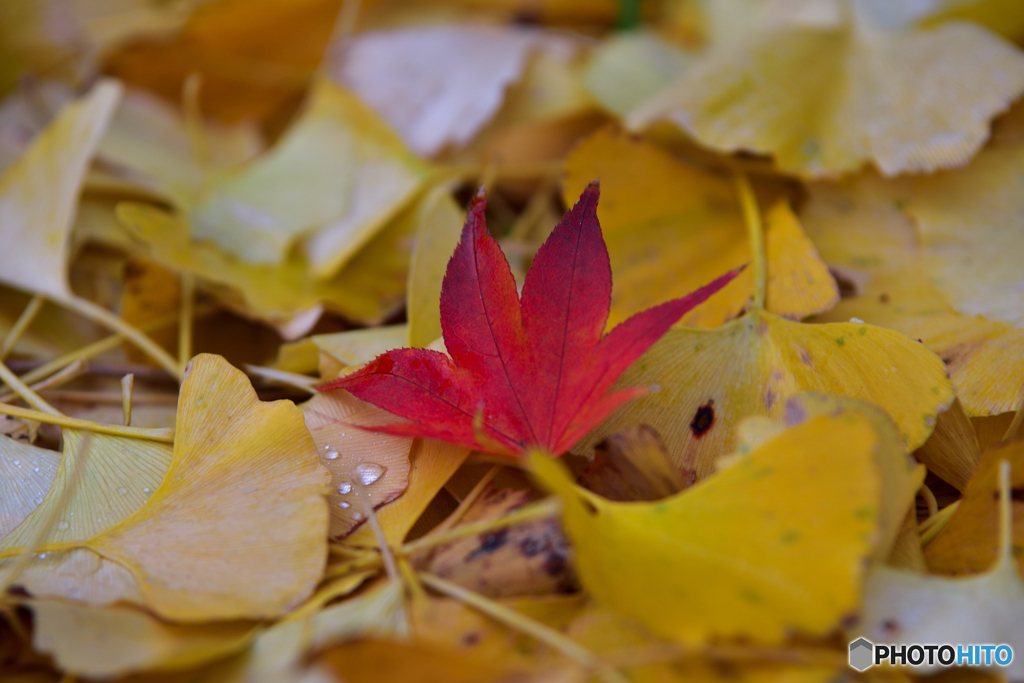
column 862, row 653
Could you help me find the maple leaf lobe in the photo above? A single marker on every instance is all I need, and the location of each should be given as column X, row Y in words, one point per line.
column 534, row 371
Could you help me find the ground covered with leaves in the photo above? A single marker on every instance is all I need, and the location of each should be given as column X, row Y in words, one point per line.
column 519, row 340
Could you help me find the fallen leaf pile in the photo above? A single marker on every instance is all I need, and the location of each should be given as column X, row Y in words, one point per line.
column 546, row 341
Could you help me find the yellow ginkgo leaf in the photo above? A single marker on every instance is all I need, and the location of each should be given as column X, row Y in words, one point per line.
column 710, row 379
column 907, row 608
column 367, row 291
column 969, row 542
column 148, row 144
column 875, row 251
column 900, row 475
column 826, row 100
column 26, row 474
column 336, row 177
column 112, row 641
column 971, row 226
column 628, row 68
column 101, row 480
column 243, row 493
column 737, row 555
column 671, row 228
column 39, row 194
column 437, row 235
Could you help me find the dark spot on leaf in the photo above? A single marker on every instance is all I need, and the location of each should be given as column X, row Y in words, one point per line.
column 554, row 565
column 805, row 358
column 703, row 419
column 947, row 361
column 769, row 398
column 883, row 298
column 840, row 341
column 531, row 547
column 890, row 626
column 850, row 620
column 470, row 639
column 489, row 543
column 588, row 506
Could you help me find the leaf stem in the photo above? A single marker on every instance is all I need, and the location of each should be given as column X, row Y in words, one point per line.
column 100, row 315
column 161, row 434
column 22, row 390
column 188, row 293
column 544, row 509
column 545, row 634
column 931, row 527
column 21, row 324
column 755, row 233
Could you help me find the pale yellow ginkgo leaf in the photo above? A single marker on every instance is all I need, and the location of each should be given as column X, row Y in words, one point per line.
column 826, row 100
column 26, row 473
column 671, row 228
column 113, row 641
column 876, row 252
column 971, row 226
column 243, row 493
column 445, row 100
column 39, row 194
column 628, row 68
column 907, row 608
column 148, row 144
column 368, row 290
column 710, row 379
column 335, row 178
column 439, row 230
column 101, row 480
column 737, row 555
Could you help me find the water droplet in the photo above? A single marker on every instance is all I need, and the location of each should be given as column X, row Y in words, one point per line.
column 357, row 516
column 17, row 463
column 332, row 455
column 345, row 487
column 327, row 448
column 42, row 556
column 36, row 469
column 199, row 401
column 368, row 472
column 343, row 505
column 147, row 490
column 63, row 525
column 122, row 490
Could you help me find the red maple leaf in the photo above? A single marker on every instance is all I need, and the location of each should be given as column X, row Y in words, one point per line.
column 534, row 371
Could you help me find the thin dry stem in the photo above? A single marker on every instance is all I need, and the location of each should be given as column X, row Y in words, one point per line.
column 930, row 500
column 24, row 392
column 188, row 293
column 755, row 233
column 127, row 384
column 161, row 434
column 931, row 527
column 100, row 315
column 545, row 509
column 76, row 369
column 21, row 324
